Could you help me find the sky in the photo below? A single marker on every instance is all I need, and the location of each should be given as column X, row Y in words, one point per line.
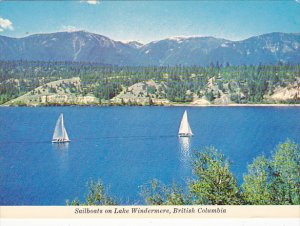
column 147, row 21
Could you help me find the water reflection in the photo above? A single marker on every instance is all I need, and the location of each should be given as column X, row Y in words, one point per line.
column 185, row 149
column 61, row 152
column 60, row 146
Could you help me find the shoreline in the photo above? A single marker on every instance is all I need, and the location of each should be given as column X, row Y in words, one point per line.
column 238, row 105
column 165, row 105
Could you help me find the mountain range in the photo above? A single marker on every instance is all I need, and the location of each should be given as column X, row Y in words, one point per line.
column 84, row 46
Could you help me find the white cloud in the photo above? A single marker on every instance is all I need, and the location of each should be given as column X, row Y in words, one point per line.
column 91, row 2
column 297, row 1
column 5, row 24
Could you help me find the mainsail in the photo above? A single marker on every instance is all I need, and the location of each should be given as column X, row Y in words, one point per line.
column 60, row 133
column 185, row 129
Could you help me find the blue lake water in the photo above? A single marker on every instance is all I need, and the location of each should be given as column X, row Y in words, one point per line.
column 126, row 147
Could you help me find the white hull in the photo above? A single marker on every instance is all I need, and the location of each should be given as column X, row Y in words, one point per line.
column 185, row 134
column 60, row 141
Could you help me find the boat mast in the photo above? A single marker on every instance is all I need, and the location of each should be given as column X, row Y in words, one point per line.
column 62, row 126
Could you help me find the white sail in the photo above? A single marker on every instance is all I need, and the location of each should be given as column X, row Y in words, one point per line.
column 185, row 129
column 65, row 134
column 60, row 133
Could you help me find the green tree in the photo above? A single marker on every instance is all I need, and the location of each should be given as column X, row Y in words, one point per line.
column 256, row 189
column 285, row 181
column 96, row 196
column 214, row 183
column 209, row 95
column 151, row 103
column 156, row 193
column 274, row 181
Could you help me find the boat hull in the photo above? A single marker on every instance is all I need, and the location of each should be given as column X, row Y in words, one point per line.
column 185, row 135
column 60, row 141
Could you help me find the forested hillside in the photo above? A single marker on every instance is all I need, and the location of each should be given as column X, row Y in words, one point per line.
column 90, row 83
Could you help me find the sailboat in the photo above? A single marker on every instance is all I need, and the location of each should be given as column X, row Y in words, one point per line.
column 60, row 134
column 185, row 129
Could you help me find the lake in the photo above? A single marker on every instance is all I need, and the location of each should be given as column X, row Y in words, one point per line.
column 126, row 147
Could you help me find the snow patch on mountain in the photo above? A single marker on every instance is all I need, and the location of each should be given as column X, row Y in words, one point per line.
column 193, row 50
